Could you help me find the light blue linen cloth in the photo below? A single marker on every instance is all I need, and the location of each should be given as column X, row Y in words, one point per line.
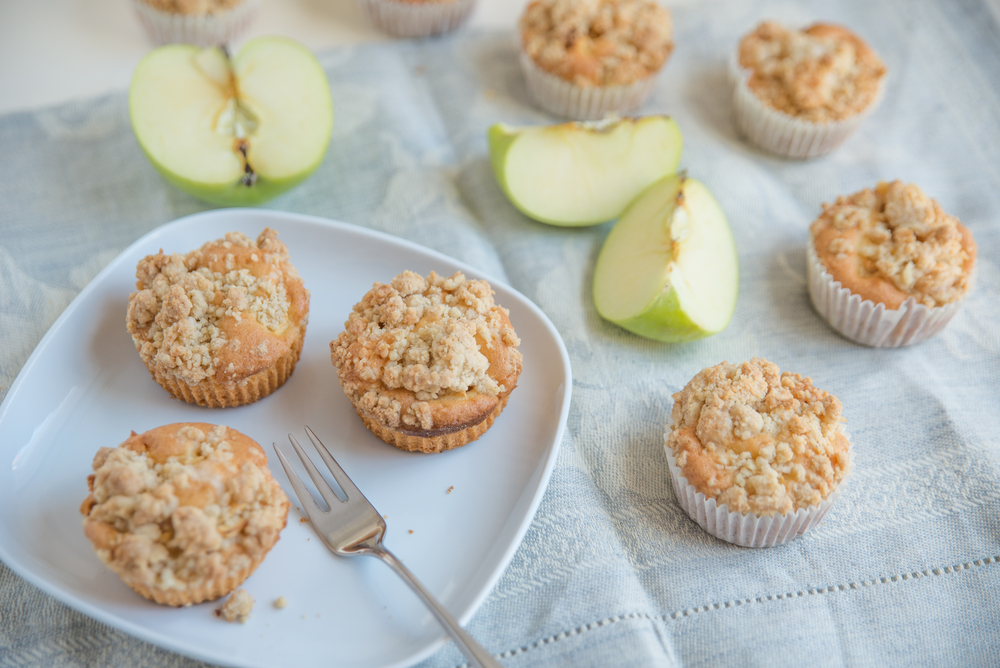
column 905, row 570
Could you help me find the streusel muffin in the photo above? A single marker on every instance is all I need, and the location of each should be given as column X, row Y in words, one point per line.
column 200, row 22
column 222, row 325
column 584, row 59
column 757, row 456
column 800, row 93
column 428, row 363
column 887, row 266
column 416, row 18
column 184, row 513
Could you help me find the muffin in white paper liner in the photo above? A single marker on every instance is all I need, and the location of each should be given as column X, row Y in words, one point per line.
column 866, row 322
column 416, row 19
column 748, row 530
column 781, row 133
column 202, row 30
column 591, row 103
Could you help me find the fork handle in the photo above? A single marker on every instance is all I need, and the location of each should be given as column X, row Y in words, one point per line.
column 478, row 657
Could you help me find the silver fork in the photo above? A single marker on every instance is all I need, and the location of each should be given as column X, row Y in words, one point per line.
column 354, row 527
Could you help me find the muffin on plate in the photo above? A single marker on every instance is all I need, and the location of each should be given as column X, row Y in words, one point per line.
column 800, row 93
column 223, row 325
column 200, row 22
column 888, row 267
column 585, row 59
column 757, row 456
column 416, row 18
column 184, row 513
column 428, row 363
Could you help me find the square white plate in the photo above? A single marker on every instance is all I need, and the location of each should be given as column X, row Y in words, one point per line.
column 85, row 387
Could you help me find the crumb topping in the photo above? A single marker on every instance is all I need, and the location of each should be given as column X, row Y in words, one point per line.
column 758, row 440
column 597, row 42
column 237, row 607
column 191, row 312
column 821, row 74
column 901, row 235
column 182, row 505
column 428, row 337
column 193, row 7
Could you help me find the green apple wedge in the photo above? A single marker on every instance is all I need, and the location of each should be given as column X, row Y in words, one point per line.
column 576, row 174
column 668, row 269
column 235, row 131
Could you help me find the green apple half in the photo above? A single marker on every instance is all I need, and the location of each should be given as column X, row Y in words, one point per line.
column 232, row 131
column 668, row 269
column 580, row 173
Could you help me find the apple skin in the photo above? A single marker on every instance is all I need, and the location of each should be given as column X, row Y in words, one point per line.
column 664, row 318
column 501, row 138
column 234, row 193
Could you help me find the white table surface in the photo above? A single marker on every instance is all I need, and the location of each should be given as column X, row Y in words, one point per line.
column 53, row 51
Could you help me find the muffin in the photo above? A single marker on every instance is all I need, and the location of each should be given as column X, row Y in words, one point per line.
column 416, row 18
column 757, row 456
column 222, row 325
column 200, row 22
column 888, row 267
column 428, row 363
column 184, row 513
column 585, row 59
column 800, row 93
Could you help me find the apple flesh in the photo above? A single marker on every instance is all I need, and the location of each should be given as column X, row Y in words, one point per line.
column 580, row 173
column 232, row 131
column 668, row 269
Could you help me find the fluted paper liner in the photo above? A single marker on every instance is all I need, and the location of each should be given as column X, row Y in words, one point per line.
column 866, row 322
column 591, row 103
column 749, row 530
column 416, row 19
column 212, row 394
column 432, row 444
column 201, row 30
column 781, row 133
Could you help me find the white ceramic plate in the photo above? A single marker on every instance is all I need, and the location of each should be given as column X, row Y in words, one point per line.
column 85, row 387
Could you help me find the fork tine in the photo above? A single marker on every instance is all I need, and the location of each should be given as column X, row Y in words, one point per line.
column 305, row 498
column 339, row 474
column 322, row 486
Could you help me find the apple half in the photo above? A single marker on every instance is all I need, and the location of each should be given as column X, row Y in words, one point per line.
column 234, row 131
column 582, row 173
column 668, row 269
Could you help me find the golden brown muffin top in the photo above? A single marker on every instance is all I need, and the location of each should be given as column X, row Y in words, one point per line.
column 181, row 505
column 893, row 243
column 758, row 440
column 821, row 74
column 422, row 354
column 225, row 311
column 193, row 7
column 597, row 42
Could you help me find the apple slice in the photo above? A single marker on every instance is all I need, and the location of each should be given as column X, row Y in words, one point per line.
column 582, row 173
column 668, row 269
column 232, row 131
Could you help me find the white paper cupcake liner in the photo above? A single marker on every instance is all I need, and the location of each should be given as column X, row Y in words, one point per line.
column 786, row 135
column 205, row 30
column 866, row 322
column 562, row 98
column 408, row 19
column 749, row 530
